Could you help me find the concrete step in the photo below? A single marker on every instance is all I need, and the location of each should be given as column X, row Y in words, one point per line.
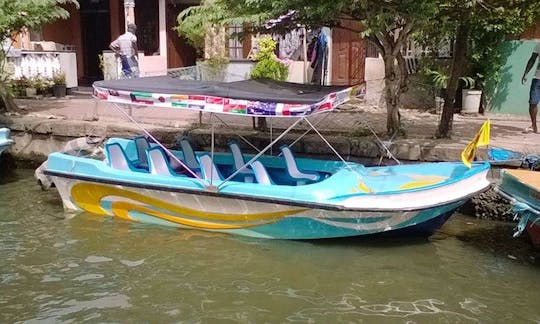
column 81, row 91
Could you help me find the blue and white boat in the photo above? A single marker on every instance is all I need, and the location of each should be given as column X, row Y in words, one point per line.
column 257, row 195
column 5, row 141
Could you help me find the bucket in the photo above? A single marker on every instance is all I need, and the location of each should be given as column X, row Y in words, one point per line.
column 439, row 104
column 471, row 101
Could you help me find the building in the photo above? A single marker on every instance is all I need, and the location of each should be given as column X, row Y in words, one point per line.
column 509, row 96
column 90, row 29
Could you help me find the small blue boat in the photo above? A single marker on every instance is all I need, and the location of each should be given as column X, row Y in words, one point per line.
column 507, row 158
column 5, row 141
column 256, row 195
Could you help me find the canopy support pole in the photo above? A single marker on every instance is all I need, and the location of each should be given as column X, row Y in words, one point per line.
column 169, row 153
column 212, row 148
column 271, row 134
column 331, row 147
column 306, row 132
column 263, row 150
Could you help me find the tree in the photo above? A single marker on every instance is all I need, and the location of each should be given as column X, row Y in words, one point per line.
column 20, row 15
column 389, row 24
column 478, row 27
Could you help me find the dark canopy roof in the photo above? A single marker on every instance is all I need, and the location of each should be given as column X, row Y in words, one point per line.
column 260, row 90
column 248, row 98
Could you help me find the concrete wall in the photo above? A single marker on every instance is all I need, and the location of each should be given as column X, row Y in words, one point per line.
column 509, row 95
column 374, row 77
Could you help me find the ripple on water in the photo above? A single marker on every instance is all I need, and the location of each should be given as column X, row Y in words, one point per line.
column 66, row 309
column 90, row 276
column 97, row 259
column 132, row 263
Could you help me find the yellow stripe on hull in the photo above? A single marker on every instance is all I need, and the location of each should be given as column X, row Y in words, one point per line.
column 88, row 197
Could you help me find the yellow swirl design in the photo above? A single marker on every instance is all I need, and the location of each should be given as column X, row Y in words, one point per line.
column 88, row 197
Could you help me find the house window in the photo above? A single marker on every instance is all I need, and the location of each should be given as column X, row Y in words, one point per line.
column 236, row 49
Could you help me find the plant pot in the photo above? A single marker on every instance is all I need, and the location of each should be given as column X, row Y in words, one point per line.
column 471, row 101
column 439, row 104
column 59, row 90
column 31, row 92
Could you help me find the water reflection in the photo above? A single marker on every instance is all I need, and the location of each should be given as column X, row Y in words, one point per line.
column 57, row 267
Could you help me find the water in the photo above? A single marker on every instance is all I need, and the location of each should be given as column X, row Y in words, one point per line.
column 57, row 266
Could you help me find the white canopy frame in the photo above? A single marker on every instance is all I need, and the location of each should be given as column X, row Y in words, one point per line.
column 208, row 184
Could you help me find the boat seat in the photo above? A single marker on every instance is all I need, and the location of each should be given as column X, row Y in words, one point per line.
column 117, row 159
column 261, row 174
column 158, row 162
column 301, row 177
column 239, row 162
column 142, row 144
column 209, row 171
column 190, row 158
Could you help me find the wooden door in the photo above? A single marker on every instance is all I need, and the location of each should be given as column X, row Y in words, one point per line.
column 348, row 55
column 96, row 36
column 179, row 53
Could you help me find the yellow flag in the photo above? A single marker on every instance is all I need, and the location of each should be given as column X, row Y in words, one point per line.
column 481, row 139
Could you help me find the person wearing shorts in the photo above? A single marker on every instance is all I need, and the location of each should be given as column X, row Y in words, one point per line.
column 125, row 47
column 534, row 94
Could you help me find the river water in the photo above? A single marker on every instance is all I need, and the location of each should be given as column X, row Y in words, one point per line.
column 58, row 266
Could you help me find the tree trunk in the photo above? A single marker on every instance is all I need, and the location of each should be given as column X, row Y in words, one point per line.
column 6, row 100
column 459, row 59
column 393, row 82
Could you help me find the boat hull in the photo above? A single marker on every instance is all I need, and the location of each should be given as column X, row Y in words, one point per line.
column 533, row 231
column 5, row 141
column 252, row 218
column 522, row 187
column 4, row 147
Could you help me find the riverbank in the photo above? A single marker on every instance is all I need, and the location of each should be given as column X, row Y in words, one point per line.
column 43, row 126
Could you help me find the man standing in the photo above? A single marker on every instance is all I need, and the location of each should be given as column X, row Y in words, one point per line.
column 534, row 96
column 125, row 46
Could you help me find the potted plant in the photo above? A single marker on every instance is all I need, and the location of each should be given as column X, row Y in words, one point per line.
column 471, row 96
column 440, row 82
column 30, row 86
column 59, row 84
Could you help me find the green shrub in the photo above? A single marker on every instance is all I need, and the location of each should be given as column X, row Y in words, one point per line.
column 267, row 66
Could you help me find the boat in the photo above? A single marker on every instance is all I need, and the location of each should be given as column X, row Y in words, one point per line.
column 257, row 195
column 507, row 158
column 522, row 188
column 502, row 157
column 5, row 141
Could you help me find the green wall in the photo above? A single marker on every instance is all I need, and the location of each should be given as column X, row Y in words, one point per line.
column 510, row 96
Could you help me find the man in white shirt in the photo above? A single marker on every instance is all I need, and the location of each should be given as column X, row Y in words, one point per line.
column 125, row 46
column 534, row 95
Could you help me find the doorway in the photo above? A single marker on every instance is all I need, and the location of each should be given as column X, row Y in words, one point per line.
column 179, row 52
column 96, row 36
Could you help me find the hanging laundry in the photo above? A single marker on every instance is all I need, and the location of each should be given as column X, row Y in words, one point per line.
column 290, row 45
column 320, row 60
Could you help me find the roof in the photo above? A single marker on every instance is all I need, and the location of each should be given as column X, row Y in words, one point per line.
column 249, row 97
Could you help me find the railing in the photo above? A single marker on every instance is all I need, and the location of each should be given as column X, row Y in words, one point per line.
column 45, row 64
